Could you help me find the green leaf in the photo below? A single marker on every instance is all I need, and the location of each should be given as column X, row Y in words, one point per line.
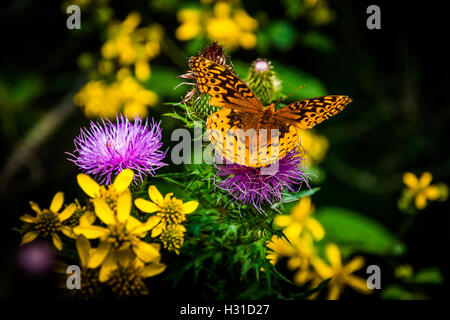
column 293, row 78
column 289, row 197
column 282, row 34
column 396, row 292
column 428, row 276
column 318, row 41
column 355, row 232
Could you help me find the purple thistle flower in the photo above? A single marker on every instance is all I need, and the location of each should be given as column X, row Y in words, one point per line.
column 248, row 185
column 105, row 149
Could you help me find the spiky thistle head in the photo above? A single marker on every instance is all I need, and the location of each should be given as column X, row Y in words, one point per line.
column 105, row 149
column 263, row 80
column 248, row 185
column 198, row 103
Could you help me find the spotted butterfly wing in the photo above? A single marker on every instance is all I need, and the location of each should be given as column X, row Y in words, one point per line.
column 243, row 139
column 243, row 131
column 224, row 87
column 305, row 114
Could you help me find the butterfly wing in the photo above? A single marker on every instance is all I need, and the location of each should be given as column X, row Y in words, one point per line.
column 232, row 133
column 305, row 114
column 224, row 87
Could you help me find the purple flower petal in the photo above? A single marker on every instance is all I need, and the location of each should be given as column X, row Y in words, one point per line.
column 105, row 149
column 248, row 185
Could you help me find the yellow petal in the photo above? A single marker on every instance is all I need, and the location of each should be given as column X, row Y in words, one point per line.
column 35, row 207
column 293, row 231
column 293, row 263
column 91, row 232
column 190, row 207
column 83, row 247
column 168, row 196
column 432, row 192
column 149, row 224
column 153, row 269
column 123, row 180
column 28, row 218
column 157, row 230
column 57, row 202
column 410, row 180
column 124, row 206
column 57, row 242
column 302, row 209
column 29, row 236
column 425, row 179
column 145, row 251
column 67, row 231
column 108, row 266
column 334, row 292
column 301, row 277
column 322, row 269
column 98, row 255
column 132, row 223
column 87, row 219
column 156, row 196
column 104, row 212
column 88, row 185
column 126, row 258
column 420, row 201
column 359, row 284
column 67, row 212
column 316, row 228
column 355, row 264
column 334, row 255
column 282, row 220
column 146, row 206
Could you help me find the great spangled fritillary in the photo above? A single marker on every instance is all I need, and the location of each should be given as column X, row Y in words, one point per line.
column 246, row 133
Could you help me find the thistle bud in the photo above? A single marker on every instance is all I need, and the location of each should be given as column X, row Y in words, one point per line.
column 200, row 107
column 264, row 81
column 196, row 102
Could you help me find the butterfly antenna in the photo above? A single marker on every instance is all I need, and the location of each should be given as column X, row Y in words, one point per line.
column 290, row 94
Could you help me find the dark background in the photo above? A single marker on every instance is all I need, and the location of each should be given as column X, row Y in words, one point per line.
column 398, row 77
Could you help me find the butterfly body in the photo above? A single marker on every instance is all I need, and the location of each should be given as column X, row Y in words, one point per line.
column 243, row 130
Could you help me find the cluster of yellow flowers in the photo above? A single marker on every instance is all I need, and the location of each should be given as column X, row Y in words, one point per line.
column 121, row 91
column 125, row 95
column 170, row 213
column 131, row 45
column 227, row 23
column 301, row 229
column 420, row 191
column 123, row 256
column 318, row 11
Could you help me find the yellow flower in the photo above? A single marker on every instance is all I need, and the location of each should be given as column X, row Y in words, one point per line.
column 299, row 251
column 110, row 193
column 229, row 25
column 316, row 146
column 168, row 210
column 90, row 285
column 421, row 189
column 48, row 222
column 122, row 233
column 300, row 219
column 190, row 24
column 128, row 278
column 172, row 237
column 341, row 275
column 142, row 70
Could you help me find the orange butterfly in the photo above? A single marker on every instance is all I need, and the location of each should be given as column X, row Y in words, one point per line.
column 245, row 132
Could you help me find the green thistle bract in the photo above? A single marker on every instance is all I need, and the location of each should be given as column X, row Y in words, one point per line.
column 263, row 81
